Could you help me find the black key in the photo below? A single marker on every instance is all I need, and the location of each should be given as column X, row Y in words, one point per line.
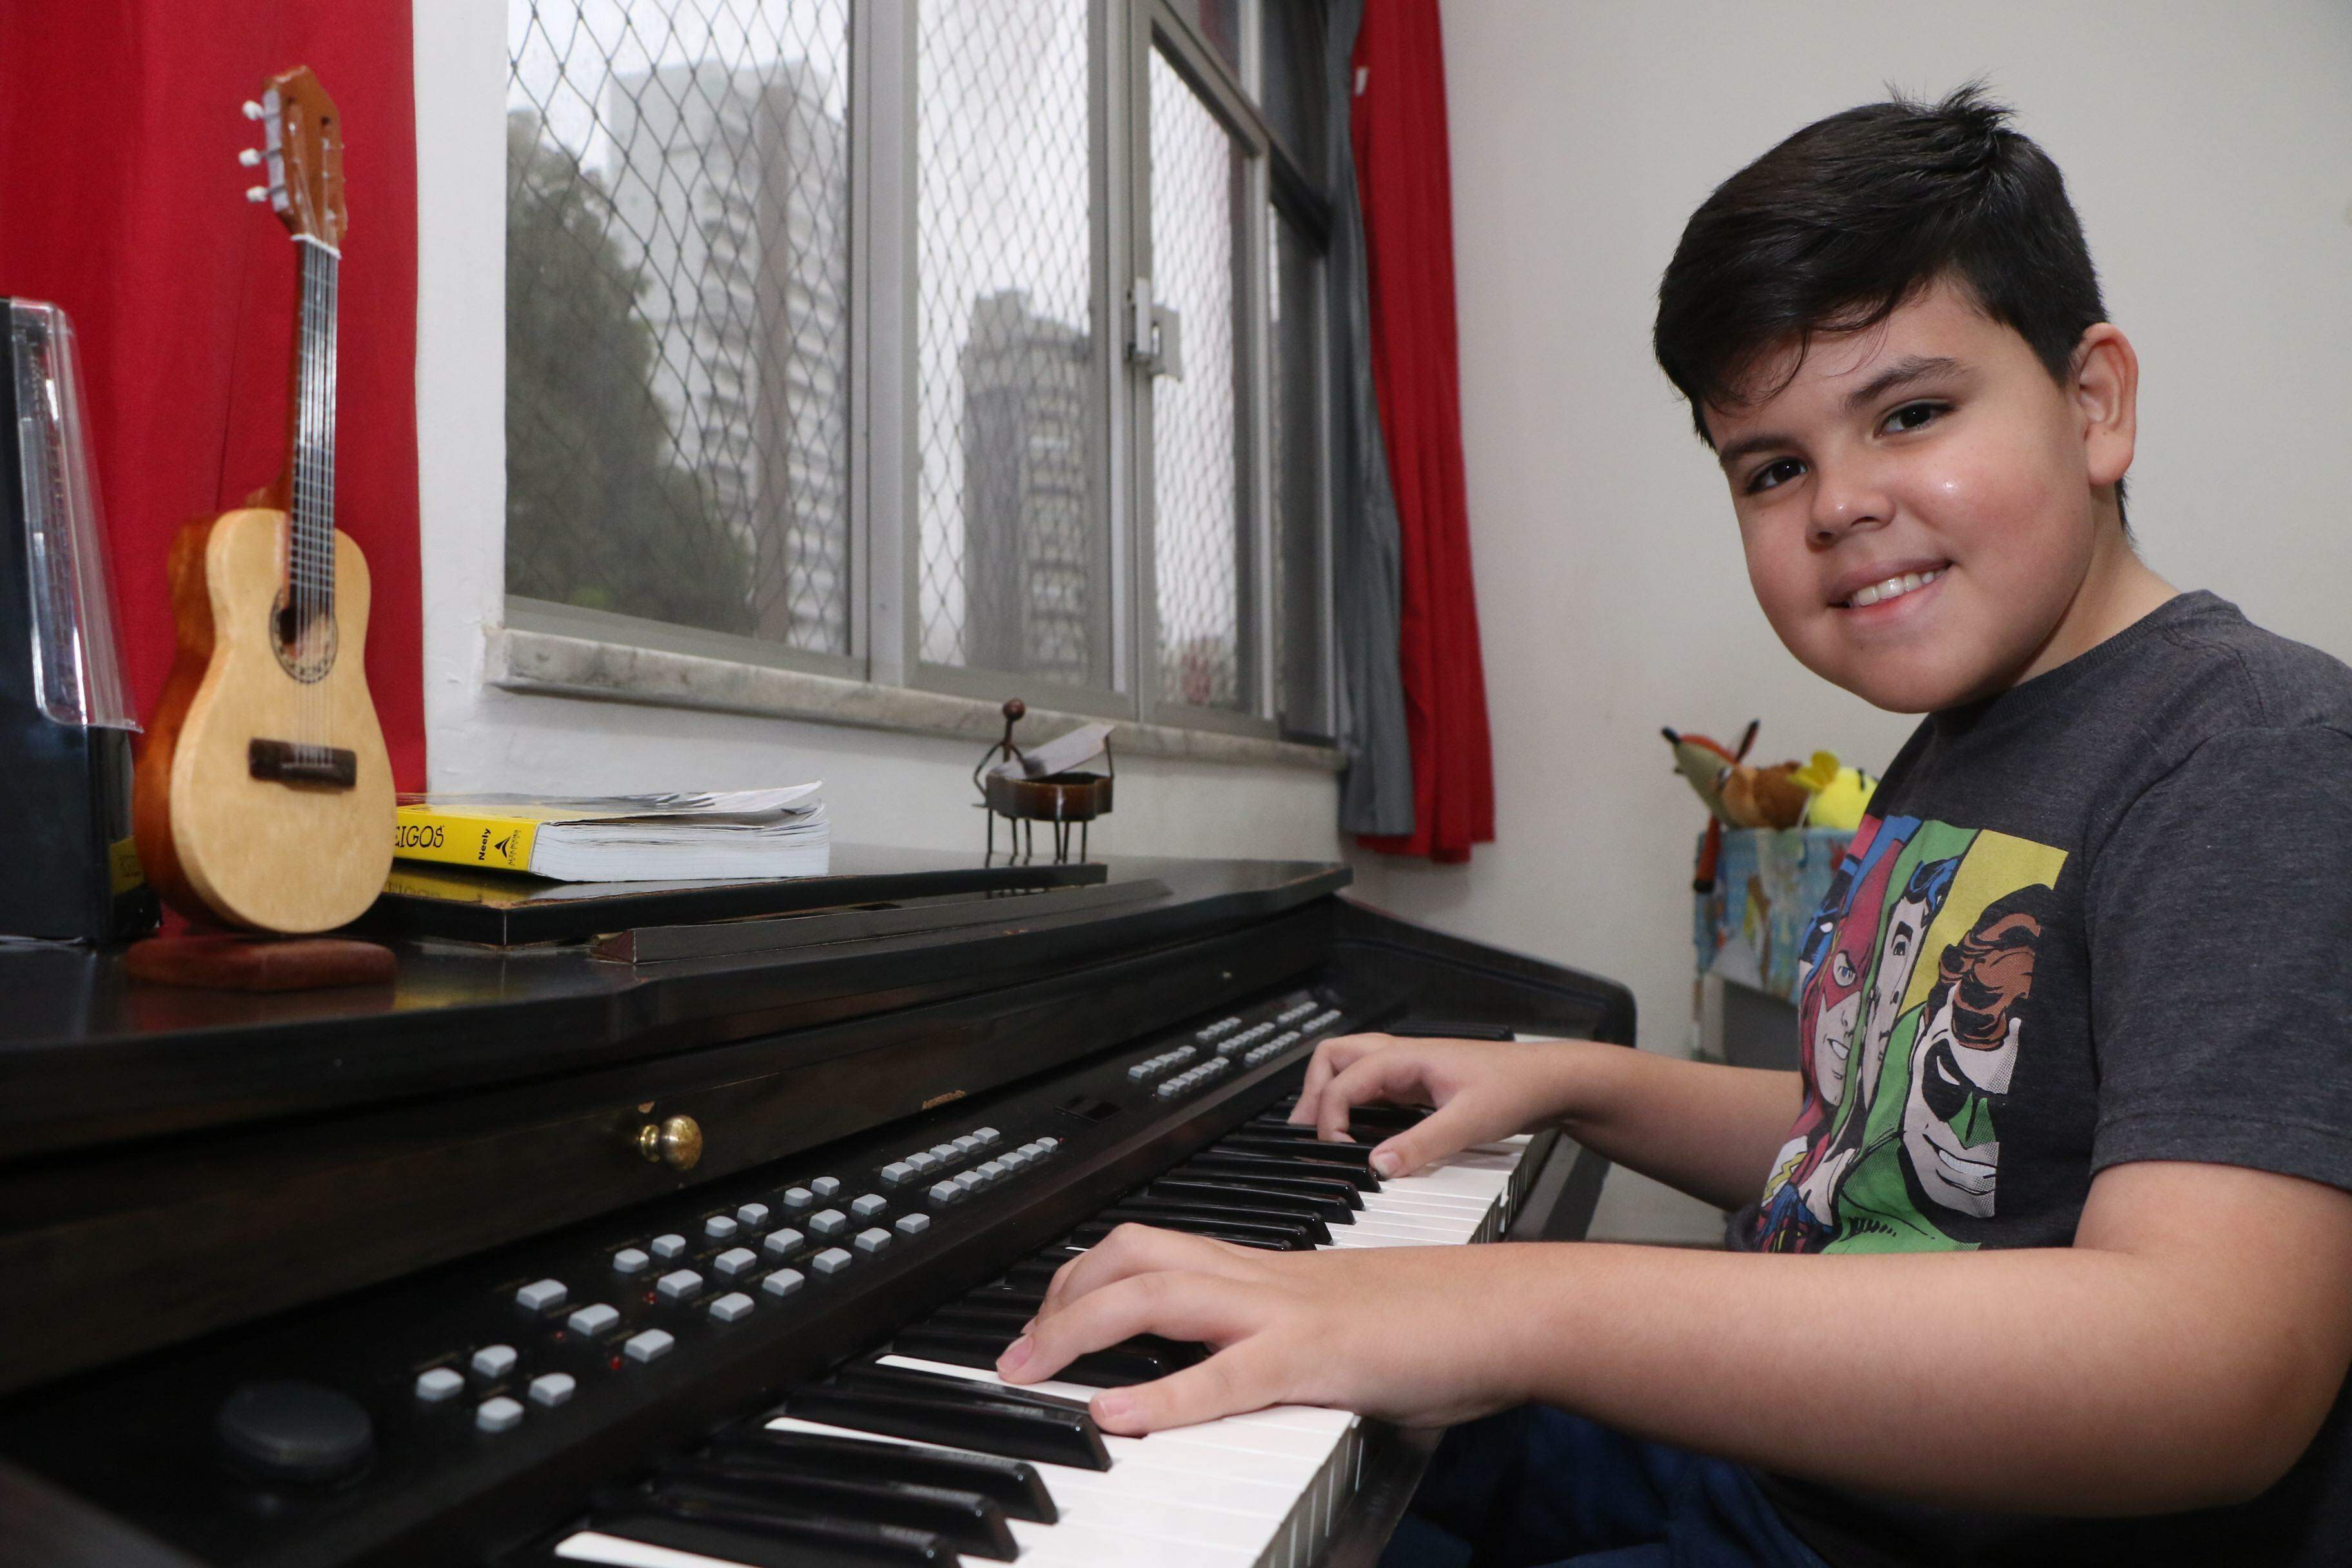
column 765, row 1539
column 939, row 1385
column 1296, row 1149
column 1334, row 1188
column 1138, row 1360
column 1199, row 1190
column 1004, row 1295
column 1280, row 1163
column 1037, row 1273
column 1047, row 1437
column 1017, row 1489
column 1281, row 1236
column 1010, row 1321
column 966, row 1520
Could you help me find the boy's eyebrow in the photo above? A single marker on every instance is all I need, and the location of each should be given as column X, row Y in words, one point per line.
column 1901, row 372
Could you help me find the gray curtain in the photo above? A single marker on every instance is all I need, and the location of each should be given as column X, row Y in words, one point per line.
column 1367, row 565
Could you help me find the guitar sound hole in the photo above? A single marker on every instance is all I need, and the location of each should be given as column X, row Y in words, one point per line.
column 305, row 646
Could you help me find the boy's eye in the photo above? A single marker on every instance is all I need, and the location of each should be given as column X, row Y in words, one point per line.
column 1773, row 474
column 1912, row 415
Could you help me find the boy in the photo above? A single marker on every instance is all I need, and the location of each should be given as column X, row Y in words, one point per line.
column 2055, row 1264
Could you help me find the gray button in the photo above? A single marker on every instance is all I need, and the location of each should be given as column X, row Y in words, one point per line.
column 438, row 1384
column 679, row 1285
column 970, row 1180
column 873, row 1240
column 828, row 1222
column 914, row 1224
column 922, row 1163
column 870, row 1206
column 670, row 1246
column 1139, row 1071
column 897, row 1173
column 992, row 1169
column 1169, row 1091
column 719, row 1227
column 731, row 1307
column 986, row 1134
column 825, row 1187
column 947, row 1152
column 783, row 1282
column 629, row 1260
column 650, row 1345
column 798, row 1197
column 550, row 1389
column 945, row 1192
column 499, row 1414
column 591, row 1321
column 736, row 1261
column 781, row 1243
column 831, row 1260
column 753, row 1215
column 492, row 1362
column 966, row 1143
column 543, row 1297
column 1049, row 1144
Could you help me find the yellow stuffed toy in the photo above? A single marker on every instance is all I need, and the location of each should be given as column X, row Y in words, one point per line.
column 1840, row 794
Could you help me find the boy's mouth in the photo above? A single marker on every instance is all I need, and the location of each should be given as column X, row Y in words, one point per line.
column 1892, row 586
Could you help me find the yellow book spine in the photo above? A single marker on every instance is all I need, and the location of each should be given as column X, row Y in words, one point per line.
column 463, row 838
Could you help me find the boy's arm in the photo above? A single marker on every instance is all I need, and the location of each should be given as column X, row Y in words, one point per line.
column 2181, row 1353
column 1710, row 1131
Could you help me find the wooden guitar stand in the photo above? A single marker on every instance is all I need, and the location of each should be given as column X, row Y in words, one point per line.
column 241, row 961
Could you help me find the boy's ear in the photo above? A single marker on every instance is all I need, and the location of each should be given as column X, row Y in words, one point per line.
column 2105, row 392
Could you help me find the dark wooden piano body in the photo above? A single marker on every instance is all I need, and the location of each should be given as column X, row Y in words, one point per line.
column 199, row 1189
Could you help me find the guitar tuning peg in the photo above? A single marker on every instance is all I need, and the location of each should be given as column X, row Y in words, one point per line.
column 250, row 157
column 253, row 109
column 257, row 192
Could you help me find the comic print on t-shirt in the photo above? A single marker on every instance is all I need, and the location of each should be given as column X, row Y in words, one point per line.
column 1911, row 985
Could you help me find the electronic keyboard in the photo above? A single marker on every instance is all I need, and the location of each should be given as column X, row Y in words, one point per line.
column 783, row 1357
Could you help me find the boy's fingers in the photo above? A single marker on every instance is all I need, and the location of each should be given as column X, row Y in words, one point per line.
column 1130, row 1249
column 1229, row 1382
column 1384, row 1075
column 1329, row 1058
column 1173, row 1305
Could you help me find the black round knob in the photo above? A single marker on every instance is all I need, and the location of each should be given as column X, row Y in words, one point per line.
column 294, row 1432
column 1014, row 709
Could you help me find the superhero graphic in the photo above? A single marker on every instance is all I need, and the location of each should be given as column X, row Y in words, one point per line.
column 1913, row 1011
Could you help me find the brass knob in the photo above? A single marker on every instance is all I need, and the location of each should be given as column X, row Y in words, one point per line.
column 675, row 1141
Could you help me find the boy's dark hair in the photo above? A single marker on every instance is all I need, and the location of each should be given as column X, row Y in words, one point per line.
column 1850, row 217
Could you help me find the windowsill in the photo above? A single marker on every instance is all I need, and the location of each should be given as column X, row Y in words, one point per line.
column 556, row 666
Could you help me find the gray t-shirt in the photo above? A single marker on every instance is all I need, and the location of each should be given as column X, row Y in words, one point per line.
column 2104, row 917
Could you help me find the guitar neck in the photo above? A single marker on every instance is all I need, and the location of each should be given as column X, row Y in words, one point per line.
column 310, row 484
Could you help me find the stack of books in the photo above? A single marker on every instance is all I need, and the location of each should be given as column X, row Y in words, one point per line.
column 724, row 835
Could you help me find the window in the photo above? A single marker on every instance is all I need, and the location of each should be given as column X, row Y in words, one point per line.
column 969, row 345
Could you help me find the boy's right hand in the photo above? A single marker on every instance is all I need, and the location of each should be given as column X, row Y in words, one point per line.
column 1482, row 1090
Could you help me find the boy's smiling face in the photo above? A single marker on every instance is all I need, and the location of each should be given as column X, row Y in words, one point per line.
column 1928, row 517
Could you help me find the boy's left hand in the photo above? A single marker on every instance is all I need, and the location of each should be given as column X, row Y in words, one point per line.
column 1378, row 1331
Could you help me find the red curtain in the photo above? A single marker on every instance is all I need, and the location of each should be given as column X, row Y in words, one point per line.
column 123, row 202
column 1399, row 128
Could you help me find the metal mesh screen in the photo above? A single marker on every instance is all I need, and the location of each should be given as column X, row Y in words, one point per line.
column 1198, row 178
column 1014, row 572
column 678, row 313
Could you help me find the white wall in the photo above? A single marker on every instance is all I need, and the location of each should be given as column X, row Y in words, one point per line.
column 2206, row 147
column 880, row 787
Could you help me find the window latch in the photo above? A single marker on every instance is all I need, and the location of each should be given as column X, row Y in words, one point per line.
column 1155, row 343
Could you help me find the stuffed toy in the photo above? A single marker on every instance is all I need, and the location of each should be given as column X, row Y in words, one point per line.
column 1820, row 794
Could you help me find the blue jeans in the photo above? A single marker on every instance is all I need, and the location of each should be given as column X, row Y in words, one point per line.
column 1538, row 1486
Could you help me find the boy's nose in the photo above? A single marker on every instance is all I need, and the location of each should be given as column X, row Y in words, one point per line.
column 1846, row 499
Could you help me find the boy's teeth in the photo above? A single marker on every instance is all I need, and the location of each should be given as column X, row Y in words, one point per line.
column 1894, row 587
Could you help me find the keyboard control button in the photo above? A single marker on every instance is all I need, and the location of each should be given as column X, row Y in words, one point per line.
column 651, row 1345
column 553, row 1389
column 670, row 1245
column 492, row 1362
column 897, row 1173
column 946, row 1152
column 752, row 1215
column 798, row 1197
column 630, row 1260
column 828, row 1222
column 679, row 1285
column 440, row 1383
column 966, row 1144
column 542, row 1297
column 993, row 1169
column 781, row 1243
column 922, row 1163
column 721, row 1227
column 831, row 1260
column 825, row 1187
column 970, row 1180
column 1049, row 1144
column 736, row 1261
column 870, row 1241
column 867, row 1206
column 732, row 1307
column 499, row 1414
column 986, row 1134
column 590, row 1322
column 783, row 1282
column 945, row 1192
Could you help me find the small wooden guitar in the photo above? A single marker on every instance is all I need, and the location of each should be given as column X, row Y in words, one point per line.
column 264, row 795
